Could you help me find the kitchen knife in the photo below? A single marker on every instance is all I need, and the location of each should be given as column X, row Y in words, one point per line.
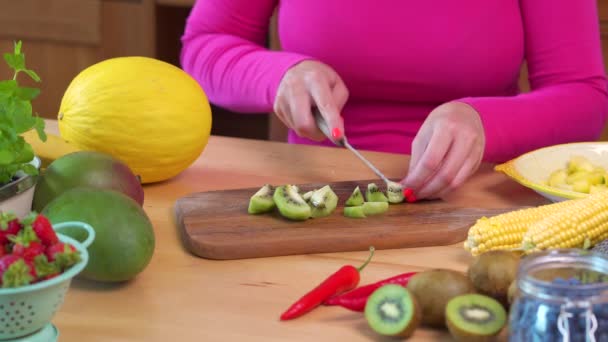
column 342, row 141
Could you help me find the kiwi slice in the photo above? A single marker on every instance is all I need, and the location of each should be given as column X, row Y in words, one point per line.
column 323, row 202
column 433, row 290
column 374, row 208
column 356, row 198
column 475, row 317
column 392, row 310
column 374, row 194
column 493, row 272
column 394, row 192
column 290, row 204
column 261, row 201
column 354, row 212
column 307, row 195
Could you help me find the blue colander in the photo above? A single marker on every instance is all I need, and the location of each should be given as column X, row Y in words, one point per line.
column 27, row 309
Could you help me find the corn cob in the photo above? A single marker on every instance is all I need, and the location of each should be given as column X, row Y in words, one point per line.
column 506, row 231
column 582, row 224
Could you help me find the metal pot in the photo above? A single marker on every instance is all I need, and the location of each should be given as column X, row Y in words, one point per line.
column 17, row 196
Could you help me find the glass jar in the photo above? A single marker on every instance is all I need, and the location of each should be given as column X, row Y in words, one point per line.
column 562, row 295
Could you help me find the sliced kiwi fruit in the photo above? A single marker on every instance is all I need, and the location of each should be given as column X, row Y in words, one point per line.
column 261, row 201
column 307, row 195
column 493, row 272
column 475, row 317
column 356, row 198
column 392, row 310
column 323, row 202
column 394, row 192
column 374, row 208
column 290, row 203
column 433, row 290
column 354, row 212
column 374, row 194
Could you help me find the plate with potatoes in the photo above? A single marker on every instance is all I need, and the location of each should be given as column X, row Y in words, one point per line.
column 562, row 172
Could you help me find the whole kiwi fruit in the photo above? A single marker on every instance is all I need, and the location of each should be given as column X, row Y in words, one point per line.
column 493, row 272
column 433, row 290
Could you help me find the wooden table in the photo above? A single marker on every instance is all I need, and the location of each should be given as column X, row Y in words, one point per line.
column 180, row 297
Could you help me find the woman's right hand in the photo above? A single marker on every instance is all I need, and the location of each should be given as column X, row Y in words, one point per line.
column 306, row 85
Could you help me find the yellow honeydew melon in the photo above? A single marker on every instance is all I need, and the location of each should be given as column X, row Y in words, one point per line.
column 148, row 113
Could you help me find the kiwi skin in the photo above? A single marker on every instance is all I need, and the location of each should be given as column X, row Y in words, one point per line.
column 493, row 272
column 512, row 292
column 433, row 290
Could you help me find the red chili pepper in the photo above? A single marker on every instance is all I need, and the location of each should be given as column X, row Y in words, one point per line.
column 346, row 278
column 356, row 299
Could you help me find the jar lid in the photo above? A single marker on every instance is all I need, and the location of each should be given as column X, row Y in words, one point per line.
column 564, row 274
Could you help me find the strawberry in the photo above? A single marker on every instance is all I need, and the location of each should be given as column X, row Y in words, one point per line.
column 14, row 271
column 26, row 244
column 9, row 225
column 44, row 230
column 41, row 268
column 30, row 251
column 63, row 254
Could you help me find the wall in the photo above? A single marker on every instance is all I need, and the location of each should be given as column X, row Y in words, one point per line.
column 59, row 46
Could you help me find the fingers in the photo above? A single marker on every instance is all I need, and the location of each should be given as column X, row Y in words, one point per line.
column 324, row 100
column 430, row 161
column 460, row 152
column 303, row 121
column 468, row 168
column 340, row 94
column 311, row 84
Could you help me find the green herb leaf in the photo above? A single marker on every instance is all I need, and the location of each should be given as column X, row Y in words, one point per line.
column 16, row 62
column 6, row 157
column 32, row 74
column 8, row 88
column 26, row 153
column 39, row 126
column 16, row 117
column 27, row 94
column 29, row 169
column 18, row 45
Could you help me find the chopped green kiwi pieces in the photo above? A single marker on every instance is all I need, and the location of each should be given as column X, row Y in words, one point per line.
column 474, row 317
column 392, row 310
column 374, row 194
column 323, row 202
column 261, row 201
column 306, row 196
column 394, row 192
column 355, row 199
column 290, row 203
column 374, row 208
column 354, row 211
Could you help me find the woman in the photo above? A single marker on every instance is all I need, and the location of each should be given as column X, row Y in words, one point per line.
column 435, row 79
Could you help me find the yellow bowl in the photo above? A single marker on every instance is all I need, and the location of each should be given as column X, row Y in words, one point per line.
column 532, row 169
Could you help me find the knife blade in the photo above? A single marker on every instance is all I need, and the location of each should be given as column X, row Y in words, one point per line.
column 322, row 124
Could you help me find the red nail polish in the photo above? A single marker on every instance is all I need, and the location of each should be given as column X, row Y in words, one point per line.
column 411, row 199
column 336, row 133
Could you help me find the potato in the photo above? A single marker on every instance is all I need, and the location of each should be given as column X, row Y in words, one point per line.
column 579, row 175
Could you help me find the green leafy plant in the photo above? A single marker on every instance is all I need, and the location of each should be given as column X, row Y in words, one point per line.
column 16, row 118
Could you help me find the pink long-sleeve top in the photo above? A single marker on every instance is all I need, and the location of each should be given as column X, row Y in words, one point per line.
column 400, row 59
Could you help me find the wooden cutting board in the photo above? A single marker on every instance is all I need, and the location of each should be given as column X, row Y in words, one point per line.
column 216, row 225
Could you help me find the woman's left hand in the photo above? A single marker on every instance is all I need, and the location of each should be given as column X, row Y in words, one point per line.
column 447, row 149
